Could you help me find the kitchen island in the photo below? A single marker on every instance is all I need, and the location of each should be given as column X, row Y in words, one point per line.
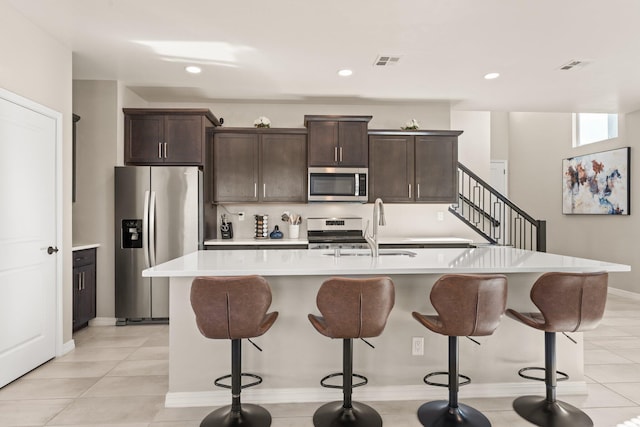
column 295, row 356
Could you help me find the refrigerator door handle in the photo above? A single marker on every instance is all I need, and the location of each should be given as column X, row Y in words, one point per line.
column 152, row 228
column 145, row 230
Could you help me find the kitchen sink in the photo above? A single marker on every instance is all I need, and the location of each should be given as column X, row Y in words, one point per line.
column 381, row 252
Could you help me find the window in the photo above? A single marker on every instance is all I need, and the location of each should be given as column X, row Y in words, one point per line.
column 593, row 127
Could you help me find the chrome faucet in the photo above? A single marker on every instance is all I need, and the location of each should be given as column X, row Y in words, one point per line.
column 378, row 219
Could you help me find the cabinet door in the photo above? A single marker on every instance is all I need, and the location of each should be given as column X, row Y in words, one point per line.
column 284, row 168
column 436, row 163
column 391, row 168
column 86, row 295
column 353, row 147
column 323, row 143
column 144, row 135
column 235, row 167
column 184, row 138
column 84, row 287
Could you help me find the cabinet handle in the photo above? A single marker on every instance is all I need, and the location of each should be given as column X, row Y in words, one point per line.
column 340, row 154
column 83, row 280
column 264, row 190
column 335, row 154
column 159, row 150
column 418, row 191
column 165, row 150
column 409, row 190
column 79, row 281
column 255, row 189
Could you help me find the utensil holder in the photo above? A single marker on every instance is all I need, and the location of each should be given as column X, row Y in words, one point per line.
column 294, row 231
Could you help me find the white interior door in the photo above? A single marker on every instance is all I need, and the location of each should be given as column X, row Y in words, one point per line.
column 499, row 176
column 28, row 226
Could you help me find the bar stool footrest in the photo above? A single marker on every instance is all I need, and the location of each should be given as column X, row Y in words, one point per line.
column 218, row 381
column 339, row 374
column 562, row 376
column 466, row 379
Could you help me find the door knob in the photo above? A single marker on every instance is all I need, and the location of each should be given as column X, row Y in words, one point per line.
column 51, row 250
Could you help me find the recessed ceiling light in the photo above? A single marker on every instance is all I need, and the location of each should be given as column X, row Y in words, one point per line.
column 345, row 73
column 491, row 76
column 193, row 69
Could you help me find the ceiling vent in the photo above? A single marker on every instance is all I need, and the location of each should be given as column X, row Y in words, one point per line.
column 386, row 60
column 573, row 64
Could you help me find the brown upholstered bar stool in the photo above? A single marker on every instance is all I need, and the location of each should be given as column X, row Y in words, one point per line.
column 351, row 308
column 568, row 302
column 467, row 305
column 234, row 308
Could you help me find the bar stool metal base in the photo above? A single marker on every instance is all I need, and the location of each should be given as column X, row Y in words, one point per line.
column 334, row 414
column 248, row 416
column 539, row 411
column 439, row 414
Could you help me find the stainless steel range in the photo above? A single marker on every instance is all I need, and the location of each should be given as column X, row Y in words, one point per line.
column 332, row 233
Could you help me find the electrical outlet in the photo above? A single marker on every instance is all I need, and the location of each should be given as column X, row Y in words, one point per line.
column 240, row 216
column 440, row 216
column 417, row 346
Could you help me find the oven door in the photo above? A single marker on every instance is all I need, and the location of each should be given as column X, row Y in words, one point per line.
column 337, row 185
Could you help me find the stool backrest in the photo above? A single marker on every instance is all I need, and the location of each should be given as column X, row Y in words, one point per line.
column 570, row 302
column 469, row 304
column 230, row 307
column 356, row 308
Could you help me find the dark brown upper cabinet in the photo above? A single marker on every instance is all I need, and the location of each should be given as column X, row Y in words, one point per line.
column 166, row 136
column 413, row 166
column 338, row 140
column 259, row 165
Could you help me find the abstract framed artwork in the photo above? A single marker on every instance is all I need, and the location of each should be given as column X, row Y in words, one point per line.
column 596, row 184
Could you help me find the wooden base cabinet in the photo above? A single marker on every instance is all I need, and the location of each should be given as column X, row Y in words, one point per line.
column 413, row 167
column 84, row 287
column 166, row 136
column 259, row 165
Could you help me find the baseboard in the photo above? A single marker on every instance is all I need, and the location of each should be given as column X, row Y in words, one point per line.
column 367, row 394
column 67, row 347
column 623, row 293
column 102, row 321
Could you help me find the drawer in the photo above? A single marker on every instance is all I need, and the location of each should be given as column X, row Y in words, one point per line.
column 84, row 257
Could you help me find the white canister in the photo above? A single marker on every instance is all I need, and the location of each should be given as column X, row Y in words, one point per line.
column 294, row 231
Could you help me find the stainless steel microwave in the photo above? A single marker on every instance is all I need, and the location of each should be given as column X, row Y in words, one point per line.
column 338, row 185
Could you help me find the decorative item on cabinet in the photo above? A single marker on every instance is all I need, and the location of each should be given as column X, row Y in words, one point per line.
column 262, row 122
column 84, row 287
column 338, row 140
column 411, row 125
column 166, row 136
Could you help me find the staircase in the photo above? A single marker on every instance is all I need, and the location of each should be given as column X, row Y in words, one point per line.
column 494, row 217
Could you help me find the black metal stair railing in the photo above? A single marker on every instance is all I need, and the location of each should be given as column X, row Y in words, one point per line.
column 495, row 217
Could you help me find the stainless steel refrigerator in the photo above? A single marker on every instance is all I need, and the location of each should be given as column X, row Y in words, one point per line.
column 158, row 217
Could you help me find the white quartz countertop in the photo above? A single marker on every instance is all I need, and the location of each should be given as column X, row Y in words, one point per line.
column 247, row 242
column 79, row 247
column 392, row 240
column 304, row 262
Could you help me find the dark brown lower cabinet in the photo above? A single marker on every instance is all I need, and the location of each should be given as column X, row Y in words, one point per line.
column 84, row 287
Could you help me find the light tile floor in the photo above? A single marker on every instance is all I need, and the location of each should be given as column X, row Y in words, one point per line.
column 117, row 377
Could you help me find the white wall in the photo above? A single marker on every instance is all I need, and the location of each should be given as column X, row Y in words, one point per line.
column 37, row 67
column 538, row 143
column 99, row 147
